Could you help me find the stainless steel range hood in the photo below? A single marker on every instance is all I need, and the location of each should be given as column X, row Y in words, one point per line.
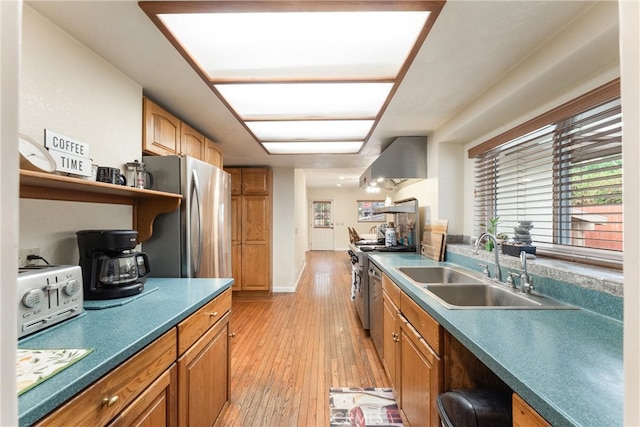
column 405, row 159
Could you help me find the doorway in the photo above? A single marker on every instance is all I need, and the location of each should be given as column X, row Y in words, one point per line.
column 322, row 225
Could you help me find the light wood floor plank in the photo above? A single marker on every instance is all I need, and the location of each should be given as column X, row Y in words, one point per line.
column 290, row 348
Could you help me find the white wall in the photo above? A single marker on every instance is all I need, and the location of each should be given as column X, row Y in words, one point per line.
column 301, row 219
column 283, row 268
column 630, row 70
column 10, row 12
column 67, row 88
column 345, row 211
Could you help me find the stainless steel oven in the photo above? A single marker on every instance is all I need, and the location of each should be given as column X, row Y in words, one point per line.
column 406, row 217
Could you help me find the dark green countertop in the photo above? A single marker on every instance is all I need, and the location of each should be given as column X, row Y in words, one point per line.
column 115, row 334
column 567, row 364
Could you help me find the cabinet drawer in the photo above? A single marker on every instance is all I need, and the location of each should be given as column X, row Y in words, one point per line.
column 191, row 329
column 107, row 397
column 392, row 290
column 426, row 325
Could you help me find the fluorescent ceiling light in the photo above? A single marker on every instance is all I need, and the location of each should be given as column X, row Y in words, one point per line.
column 318, row 147
column 300, row 71
column 358, row 100
column 291, row 45
column 311, row 130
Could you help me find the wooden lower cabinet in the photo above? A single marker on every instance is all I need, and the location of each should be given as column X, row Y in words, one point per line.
column 525, row 416
column 203, row 377
column 151, row 389
column 251, row 228
column 421, row 379
column 391, row 333
column 116, row 393
column 156, row 406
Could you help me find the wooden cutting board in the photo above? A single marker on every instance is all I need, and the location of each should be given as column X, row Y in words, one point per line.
column 434, row 239
column 432, row 245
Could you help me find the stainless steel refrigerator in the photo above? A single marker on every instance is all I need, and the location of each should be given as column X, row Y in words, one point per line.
column 195, row 240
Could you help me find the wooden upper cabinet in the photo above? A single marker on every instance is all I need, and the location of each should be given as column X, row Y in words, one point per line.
column 164, row 134
column 192, row 142
column 236, row 181
column 160, row 131
column 212, row 153
column 256, row 180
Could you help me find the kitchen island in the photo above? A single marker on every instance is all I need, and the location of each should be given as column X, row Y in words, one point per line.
column 566, row 364
column 115, row 334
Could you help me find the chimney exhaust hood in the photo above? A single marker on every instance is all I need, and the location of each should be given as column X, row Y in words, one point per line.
column 405, row 159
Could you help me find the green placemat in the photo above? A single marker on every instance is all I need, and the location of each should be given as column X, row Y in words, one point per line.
column 116, row 302
column 36, row 366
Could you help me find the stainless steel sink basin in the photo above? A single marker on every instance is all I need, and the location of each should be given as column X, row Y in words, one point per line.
column 478, row 295
column 456, row 289
column 488, row 296
column 437, row 275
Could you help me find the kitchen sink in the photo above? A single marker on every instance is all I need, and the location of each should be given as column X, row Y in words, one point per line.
column 437, row 275
column 478, row 295
column 456, row 289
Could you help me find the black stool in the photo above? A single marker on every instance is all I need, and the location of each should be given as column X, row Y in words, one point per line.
column 475, row 408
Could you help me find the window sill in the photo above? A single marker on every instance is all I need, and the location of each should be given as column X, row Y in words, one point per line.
column 586, row 276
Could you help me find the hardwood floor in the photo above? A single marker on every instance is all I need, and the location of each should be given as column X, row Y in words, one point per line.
column 290, row 348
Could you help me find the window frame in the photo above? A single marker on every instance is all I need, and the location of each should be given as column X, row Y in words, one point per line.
column 376, row 218
column 509, row 139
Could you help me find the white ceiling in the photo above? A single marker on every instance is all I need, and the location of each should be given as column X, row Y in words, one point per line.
column 471, row 48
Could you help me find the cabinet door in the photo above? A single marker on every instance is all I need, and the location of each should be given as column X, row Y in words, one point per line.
column 212, row 153
column 236, row 239
column 191, row 142
column 161, row 130
column 256, row 224
column 256, row 243
column 256, row 181
column 236, row 180
column 156, row 406
column 421, row 379
column 256, row 267
column 203, row 377
column 525, row 416
column 391, row 342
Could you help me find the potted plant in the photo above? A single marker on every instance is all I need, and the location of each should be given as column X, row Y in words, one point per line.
column 492, row 227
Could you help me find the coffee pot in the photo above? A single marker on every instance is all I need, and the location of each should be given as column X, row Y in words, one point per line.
column 137, row 175
column 110, row 267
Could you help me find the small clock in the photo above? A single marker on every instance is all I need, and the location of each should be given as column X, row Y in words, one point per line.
column 34, row 156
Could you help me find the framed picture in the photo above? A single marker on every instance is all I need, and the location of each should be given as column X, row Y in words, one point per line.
column 366, row 208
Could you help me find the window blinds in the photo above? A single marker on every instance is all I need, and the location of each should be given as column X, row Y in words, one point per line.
column 565, row 177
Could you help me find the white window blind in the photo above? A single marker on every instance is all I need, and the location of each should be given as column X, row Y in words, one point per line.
column 565, row 177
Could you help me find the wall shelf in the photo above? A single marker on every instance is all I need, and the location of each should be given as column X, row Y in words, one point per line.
column 147, row 204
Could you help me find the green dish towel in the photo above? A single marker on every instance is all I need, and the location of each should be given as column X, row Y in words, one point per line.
column 36, row 366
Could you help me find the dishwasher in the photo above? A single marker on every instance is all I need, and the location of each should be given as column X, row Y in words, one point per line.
column 376, row 307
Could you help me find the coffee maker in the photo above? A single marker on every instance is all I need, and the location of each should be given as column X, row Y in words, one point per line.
column 109, row 267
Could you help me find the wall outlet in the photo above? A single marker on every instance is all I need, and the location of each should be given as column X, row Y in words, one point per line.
column 24, row 253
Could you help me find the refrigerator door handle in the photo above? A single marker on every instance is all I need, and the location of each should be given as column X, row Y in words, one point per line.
column 197, row 200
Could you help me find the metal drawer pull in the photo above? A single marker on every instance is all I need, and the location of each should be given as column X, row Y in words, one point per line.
column 109, row 401
column 214, row 314
column 232, row 335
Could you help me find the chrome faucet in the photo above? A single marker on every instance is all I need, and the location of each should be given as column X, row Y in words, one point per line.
column 498, row 273
column 526, row 283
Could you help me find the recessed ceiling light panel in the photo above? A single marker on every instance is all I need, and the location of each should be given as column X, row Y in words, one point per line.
column 300, row 71
column 356, row 100
column 298, row 44
column 316, row 147
column 310, row 130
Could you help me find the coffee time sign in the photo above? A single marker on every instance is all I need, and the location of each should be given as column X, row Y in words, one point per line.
column 72, row 156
